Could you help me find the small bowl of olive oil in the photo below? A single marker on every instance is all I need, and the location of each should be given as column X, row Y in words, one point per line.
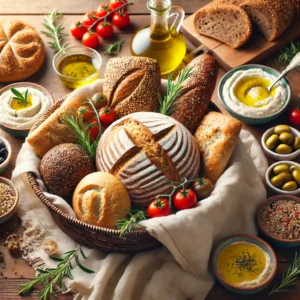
column 77, row 66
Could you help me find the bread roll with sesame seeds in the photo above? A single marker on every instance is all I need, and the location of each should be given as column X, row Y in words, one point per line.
column 192, row 102
column 132, row 84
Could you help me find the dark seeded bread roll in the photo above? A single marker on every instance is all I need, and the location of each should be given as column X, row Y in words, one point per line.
column 192, row 103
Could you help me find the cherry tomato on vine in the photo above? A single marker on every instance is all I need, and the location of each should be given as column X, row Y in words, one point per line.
column 121, row 19
column 89, row 18
column 105, row 30
column 90, row 39
column 103, row 10
column 159, row 208
column 78, row 30
column 114, row 4
column 93, row 129
column 184, row 199
column 107, row 115
column 294, row 116
column 86, row 112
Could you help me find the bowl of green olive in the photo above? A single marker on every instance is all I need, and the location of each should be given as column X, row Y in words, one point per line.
column 281, row 142
column 283, row 177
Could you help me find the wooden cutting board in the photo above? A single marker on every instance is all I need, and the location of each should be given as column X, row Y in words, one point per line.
column 254, row 51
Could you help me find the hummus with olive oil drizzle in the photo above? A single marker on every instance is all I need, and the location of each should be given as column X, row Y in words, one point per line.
column 243, row 264
column 239, row 97
column 15, row 114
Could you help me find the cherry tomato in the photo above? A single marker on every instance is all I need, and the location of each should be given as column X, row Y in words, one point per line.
column 89, row 18
column 121, row 19
column 107, row 115
column 105, row 30
column 294, row 116
column 103, row 10
column 86, row 112
column 90, row 39
column 114, row 4
column 159, row 208
column 78, row 30
column 184, row 199
column 93, row 129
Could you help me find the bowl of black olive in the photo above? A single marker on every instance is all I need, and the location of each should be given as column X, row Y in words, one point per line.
column 5, row 154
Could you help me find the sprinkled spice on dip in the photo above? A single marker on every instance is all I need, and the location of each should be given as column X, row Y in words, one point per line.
column 7, row 198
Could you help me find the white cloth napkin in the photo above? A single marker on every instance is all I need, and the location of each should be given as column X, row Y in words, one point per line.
column 180, row 269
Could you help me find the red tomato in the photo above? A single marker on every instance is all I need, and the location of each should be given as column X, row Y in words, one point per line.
column 107, row 115
column 105, row 30
column 90, row 39
column 89, row 18
column 184, row 199
column 294, row 116
column 103, row 10
column 121, row 19
column 93, row 129
column 114, row 4
column 78, row 30
column 159, row 208
column 86, row 112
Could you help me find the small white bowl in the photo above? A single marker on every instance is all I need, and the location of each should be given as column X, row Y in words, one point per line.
column 275, row 155
column 269, row 173
column 4, row 165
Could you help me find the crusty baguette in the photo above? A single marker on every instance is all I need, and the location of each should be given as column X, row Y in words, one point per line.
column 216, row 137
column 272, row 17
column 192, row 103
column 224, row 22
column 131, row 84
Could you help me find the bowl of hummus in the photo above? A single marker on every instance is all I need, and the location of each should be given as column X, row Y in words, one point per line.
column 243, row 92
column 244, row 264
column 21, row 105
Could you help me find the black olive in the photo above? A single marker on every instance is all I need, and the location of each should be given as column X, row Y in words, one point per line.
column 3, row 152
column 2, row 160
column 2, row 145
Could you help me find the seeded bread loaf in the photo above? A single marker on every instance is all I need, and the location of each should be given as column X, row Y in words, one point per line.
column 132, row 84
column 216, row 137
column 296, row 4
column 272, row 17
column 192, row 103
column 232, row 2
column 146, row 151
column 224, row 22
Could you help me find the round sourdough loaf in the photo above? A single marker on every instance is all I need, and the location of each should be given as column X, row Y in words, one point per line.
column 146, row 151
column 22, row 51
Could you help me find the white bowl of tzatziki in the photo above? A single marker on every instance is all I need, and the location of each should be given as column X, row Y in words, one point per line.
column 243, row 92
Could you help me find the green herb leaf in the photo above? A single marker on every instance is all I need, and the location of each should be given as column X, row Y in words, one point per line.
column 18, row 96
column 82, row 254
column 82, row 267
column 56, row 258
column 114, row 48
column 288, row 53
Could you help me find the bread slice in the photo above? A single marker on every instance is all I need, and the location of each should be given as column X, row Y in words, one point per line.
column 272, row 17
column 216, row 137
column 227, row 23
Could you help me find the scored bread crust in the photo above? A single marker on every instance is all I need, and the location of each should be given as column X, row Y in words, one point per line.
column 227, row 23
column 216, row 136
column 131, row 84
column 22, row 50
column 272, row 17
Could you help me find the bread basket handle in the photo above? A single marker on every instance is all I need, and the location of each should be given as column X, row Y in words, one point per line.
column 179, row 14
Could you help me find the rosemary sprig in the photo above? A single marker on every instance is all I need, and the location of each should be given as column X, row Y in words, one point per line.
column 287, row 53
column 54, row 31
column 173, row 90
column 133, row 218
column 51, row 278
column 290, row 277
column 114, row 48
column 22, row 99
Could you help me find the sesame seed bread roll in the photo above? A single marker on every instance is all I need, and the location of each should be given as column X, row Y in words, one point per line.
column 132, row 84
column 192, row 103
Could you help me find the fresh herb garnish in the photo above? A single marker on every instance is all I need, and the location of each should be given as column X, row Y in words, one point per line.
column 22, row 99
column 133, row 218
column 173, row 90
column 246, row 261
column 54, row 31
column 289, row 278
column 114, row 48
column 288, row 53
column 16, row 115
column 51, row 278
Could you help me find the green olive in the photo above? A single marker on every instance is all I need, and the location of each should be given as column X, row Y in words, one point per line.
column 289, row 186
column 286, row 138
column 286, row 176
column 99, row 100
column 281, row 128
column 296, row 176
column 277, row 181
column 296, row 144
column 283, row 149
column 272, row 141
column 293, row 168
column 280, row 169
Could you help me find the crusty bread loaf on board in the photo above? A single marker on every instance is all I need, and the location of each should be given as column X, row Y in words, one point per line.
column 272, row 17
column 216, row 137
column 132, row 84
column 224, row 22
column 192, row 103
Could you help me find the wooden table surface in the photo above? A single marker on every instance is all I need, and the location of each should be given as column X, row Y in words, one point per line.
column 15, row 270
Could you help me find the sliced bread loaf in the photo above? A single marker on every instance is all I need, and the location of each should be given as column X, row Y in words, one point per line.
column 227, row 23
column 272, row 17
